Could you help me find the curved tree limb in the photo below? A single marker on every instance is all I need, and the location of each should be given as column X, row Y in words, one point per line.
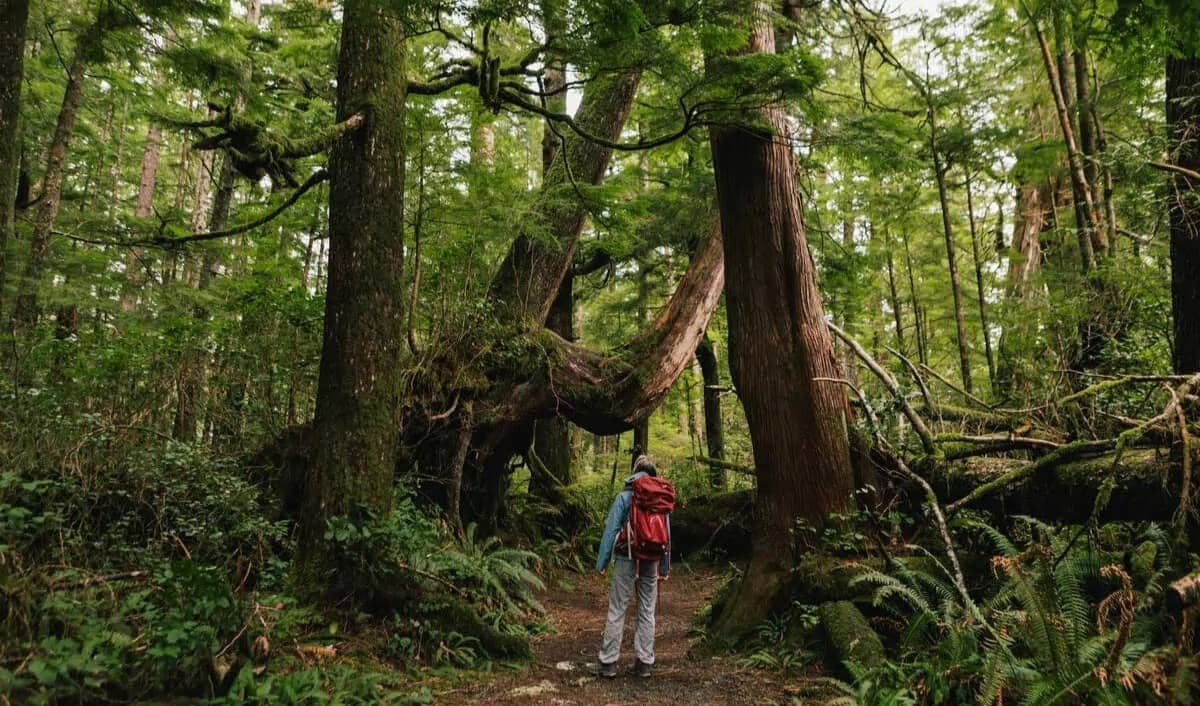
column 608, row 393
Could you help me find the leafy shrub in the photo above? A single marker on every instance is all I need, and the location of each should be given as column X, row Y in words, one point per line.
column 98, row 640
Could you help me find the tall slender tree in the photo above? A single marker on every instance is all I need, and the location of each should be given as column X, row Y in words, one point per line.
column 14, row 17
column 1183, row 123
column 25, row 310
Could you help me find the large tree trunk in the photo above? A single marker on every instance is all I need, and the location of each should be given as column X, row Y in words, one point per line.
column 1183, row 122
column 357, row 421
column 14, row 16
column 606, row 393
column 778, row 347
column 714, row 426
column 552, row 436
column 25, row 311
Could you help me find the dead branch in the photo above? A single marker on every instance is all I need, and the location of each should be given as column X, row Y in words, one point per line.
column 1174, row 168
column 966, row 395
column 930, row 496
column 725, row 465
column 890, row 383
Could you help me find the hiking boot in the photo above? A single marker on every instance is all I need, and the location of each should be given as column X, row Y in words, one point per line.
column 608, row 671
column 641, row 669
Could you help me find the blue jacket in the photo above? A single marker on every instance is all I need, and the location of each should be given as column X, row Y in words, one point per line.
column 618, row 515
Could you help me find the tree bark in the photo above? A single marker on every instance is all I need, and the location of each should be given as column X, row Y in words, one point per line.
column 1183, row 124
column 778, row 345
column 1087, row 142
column 145, row 200
column 552, row 436
column 894, row 294
column 714, row 425
column 357, row 421
column 14, row 18
column 918, row 327
column 606, row 393
column 1146, row 487
column 26, row 310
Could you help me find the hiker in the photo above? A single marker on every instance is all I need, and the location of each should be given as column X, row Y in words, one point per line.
column 639, row 530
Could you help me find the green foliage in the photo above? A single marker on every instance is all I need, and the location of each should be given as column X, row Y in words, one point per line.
column 333, row 686
column 1060, row 625
column 786, row 643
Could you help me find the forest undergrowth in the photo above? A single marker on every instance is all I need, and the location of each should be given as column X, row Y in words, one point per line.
column 324, row 325
column 139, row 569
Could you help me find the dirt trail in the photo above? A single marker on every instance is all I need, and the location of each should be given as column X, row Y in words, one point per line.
column 577, row 616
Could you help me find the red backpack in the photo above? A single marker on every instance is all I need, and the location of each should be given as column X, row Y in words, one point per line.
column 646, row 533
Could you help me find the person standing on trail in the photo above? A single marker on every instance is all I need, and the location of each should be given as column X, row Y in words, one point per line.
column 638, row 533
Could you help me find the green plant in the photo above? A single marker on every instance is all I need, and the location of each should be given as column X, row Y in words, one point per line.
column 504, row 576
column 325, row 686
column 1062, row 625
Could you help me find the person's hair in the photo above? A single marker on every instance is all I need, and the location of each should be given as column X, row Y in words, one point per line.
column 643, row 464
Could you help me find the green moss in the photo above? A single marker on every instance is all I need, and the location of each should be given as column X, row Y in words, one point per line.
column 463, row 619
column 850, row 638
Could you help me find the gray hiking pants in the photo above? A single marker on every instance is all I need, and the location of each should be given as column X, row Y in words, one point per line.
column 618, row 600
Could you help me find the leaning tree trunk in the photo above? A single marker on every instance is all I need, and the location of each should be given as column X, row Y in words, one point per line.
column 714, row 426
column 1079, row 182
column 1183, row 123
column 525, row 286
column 780, row 352
column 25, row 311
column 14, row 16
column 357, row 422
column 528, row 281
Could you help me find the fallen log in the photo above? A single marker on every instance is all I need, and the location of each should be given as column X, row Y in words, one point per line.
column 849, row 636
column 1145, row 486
column 1184, row 593
column 725, row 465
column 713, row 524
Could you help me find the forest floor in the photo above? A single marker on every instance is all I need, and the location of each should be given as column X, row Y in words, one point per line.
column 560, row 673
